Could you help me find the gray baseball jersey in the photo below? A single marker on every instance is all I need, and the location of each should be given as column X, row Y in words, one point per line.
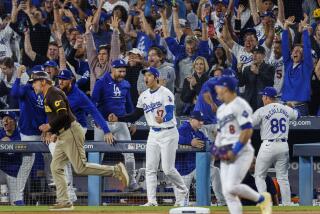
column 273, row 120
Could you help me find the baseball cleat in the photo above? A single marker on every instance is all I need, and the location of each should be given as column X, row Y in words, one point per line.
column 266, row 204
column 150, row 204
column 134, row 187
column 122, row 174
column 61, row 207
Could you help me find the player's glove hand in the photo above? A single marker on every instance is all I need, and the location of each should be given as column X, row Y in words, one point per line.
column 229, row 156
column 108, row 138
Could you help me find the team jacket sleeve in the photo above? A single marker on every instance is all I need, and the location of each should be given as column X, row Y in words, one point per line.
column 129, row 104
column 17, row 90
column 168, row 103
column 97, row 117
column 184, row 136
column 173, row 45
column 285, row 46
column 132, row 117
column 96, row 94
column 307, row 54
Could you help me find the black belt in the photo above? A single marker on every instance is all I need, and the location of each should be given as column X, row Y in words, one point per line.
column 275, row 140
column 160, row 129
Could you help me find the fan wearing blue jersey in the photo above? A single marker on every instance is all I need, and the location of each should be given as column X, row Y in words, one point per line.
column 111, row 94
column 32, row 115
column 10, row 162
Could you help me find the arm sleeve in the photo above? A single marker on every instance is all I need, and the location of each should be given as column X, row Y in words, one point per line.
column 267, row 74
column 97, row 117
column 133, row 116
column 293, row 113
column 129, row 104
column 204, row 49
column 96, row 94
column 58, row 105
column 307, row 54
column 256, row 119
column 243, row 115
column 169, row 113
column 173, row 45
column 17, row 90
column 285, row 46
column 188, row 94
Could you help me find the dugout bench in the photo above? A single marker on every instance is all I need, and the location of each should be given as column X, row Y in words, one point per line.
column 95, row 148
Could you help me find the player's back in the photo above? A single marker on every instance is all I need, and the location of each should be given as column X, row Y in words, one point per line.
column 273, row 120
column 232, row 118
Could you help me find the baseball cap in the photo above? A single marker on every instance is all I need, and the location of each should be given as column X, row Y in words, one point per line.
column 152, row 70
column 40, row 75
column 228, row 82
column 225, row 2
column 269, row 92
column 50, row 63
column 197, row 115
column 259, row 49
column 65, row 75
column 267, row 13
column 136, row 51
column 10, row 114
column 118, row 63
column 36, row 68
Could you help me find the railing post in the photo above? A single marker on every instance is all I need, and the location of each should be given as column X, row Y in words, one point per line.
column 94, row 182
column 203, row 192
column 306, row 180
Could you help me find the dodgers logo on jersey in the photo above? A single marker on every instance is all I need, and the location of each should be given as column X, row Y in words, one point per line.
column 245, row 114
column 151, row 107
column 245, row 59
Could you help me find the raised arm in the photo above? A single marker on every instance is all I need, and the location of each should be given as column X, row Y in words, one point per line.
column 281, row 16
column 14, row 11
column 204, row 35
column 90, row 46
column 145, row 25
column 62, row 56
column 115, row 40
column 254, row 12
column 270, row 34
column 27, row 46
column 176, row 23
column 307, row 54
column 227, row 36
column 285, row 39
column 96, row 17
column 127, row 29
column 165, row 30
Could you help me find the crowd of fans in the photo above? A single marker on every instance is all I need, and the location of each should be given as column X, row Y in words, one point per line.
column 259, row 42
column 187, row 41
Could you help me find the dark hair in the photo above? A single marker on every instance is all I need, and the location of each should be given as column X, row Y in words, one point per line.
column 8, row 62
column 250, row 34
column 124, row 12
column 105, row 47
column 151, row 22
column 53, row 44
column 158, row 51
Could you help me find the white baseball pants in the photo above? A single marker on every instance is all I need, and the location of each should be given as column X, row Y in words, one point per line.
column 12, row 185
column 121, row 132
column 163, row 145
column 274, row 153
column 232, row 174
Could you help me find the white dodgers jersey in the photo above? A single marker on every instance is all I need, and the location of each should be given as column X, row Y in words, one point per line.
column 273, row 120
column 153, row 104
column 279, row 73
column 231, row 117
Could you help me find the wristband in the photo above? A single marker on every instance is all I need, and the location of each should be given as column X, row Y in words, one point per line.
column 237, row 147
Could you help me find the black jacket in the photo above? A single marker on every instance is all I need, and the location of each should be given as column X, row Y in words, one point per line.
column 189, row 94
column 254, row 83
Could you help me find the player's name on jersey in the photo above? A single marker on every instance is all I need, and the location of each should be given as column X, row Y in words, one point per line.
column 311, row 123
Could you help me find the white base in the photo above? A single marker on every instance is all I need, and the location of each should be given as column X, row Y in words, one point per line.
column 198, row 210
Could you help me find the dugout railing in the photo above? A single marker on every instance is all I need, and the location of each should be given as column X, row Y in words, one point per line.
column 94, row 149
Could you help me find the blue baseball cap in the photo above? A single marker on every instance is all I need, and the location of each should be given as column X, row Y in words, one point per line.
column 197, row 115
column 119, row 63
column 152, row 70
column 228, row 82
column 267, row 13
column 35, row 69
column 224, row 2
column 50, row 63
column 65, row 75
column 269, row 92
column 10, row 114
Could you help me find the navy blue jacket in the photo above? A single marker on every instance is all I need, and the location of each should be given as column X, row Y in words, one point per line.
column 81, row 105
column 186, row 162
column 10, row 162
column 111, row 96
column 210, row 117
column 32, row 113
column 297, row 81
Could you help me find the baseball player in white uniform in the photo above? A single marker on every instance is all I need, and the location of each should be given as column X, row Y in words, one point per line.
column 233, row 147
column 273, row 120
column 157, row 105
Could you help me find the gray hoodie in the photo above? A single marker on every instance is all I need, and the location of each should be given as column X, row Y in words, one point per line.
column 167, row 73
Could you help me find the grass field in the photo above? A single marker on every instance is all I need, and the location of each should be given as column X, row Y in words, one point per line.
column 149, row 210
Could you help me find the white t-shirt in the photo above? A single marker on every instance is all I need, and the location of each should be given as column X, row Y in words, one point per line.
column 273, row 120
column 279, row 73
column 153, row 104
column 5, row 36
column 260, row 31
column 231, row 117
column 9, row 84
